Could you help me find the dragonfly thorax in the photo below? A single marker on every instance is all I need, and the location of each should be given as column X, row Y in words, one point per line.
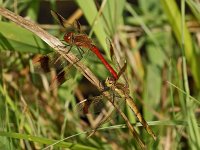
column 68, row 37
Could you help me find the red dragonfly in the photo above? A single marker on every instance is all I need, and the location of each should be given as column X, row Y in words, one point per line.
column 83, row 41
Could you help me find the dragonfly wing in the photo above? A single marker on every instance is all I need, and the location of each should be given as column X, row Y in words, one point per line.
column 52, row 63
column 63, row 22
column 122, row 70
column 77, row 25
column 91, row 105
column 109, row 44
column 103, row 120
column 110, row 114
column 114, row 59
column 59, row 18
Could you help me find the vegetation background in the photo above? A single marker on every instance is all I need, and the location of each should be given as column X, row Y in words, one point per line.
column 160, row 40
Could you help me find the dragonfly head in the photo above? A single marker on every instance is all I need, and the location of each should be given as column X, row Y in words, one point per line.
column 110, row 82
column 68, row 37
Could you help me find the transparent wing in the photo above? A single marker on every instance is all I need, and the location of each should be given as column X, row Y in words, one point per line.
column 59, row 18
column 101, row 113
column 92, row 105
column 121, row 68
column 76, row 26
column 54, row 67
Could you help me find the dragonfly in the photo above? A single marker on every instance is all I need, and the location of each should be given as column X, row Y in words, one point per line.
column 119, row 93
column 81, row 40
column 121, row 90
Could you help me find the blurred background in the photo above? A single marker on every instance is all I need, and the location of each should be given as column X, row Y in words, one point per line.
column 159, row 40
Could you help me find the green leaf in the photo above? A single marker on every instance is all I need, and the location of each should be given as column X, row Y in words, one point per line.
column 195, row 8
column 15, row 38
column 33, row 10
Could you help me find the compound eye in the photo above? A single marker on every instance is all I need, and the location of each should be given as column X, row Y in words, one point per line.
column 68, row 37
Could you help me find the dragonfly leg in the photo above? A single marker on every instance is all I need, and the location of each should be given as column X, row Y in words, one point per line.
column 61, row 47
column 113, row 97
column 81, row 52
column 70, row 48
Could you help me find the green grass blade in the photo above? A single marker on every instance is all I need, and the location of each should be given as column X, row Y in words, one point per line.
column 195, row 8
column 174, row 17
column 19, row 39
column 46, row 141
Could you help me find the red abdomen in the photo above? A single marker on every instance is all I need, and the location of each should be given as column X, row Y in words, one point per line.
column 106, row 64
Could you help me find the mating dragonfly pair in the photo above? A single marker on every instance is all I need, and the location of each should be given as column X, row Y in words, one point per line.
column 80, row 41
column 83, row 41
